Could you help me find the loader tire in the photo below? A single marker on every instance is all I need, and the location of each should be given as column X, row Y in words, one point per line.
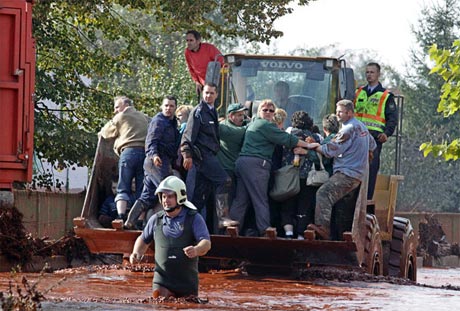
column 403, row 250
column 373, row 254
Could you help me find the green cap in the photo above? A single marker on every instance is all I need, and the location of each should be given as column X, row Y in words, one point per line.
column 236, row 107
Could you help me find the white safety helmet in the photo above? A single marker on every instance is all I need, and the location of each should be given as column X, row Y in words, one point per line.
column 175, row 184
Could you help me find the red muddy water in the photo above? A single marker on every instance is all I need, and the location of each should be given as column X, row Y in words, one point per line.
column 116, row 289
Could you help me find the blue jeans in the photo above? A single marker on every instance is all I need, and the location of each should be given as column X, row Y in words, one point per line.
column 130, row 166
column 153, row 176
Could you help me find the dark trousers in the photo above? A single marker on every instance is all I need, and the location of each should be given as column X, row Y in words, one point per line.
column 152, row 178
column 373, row 171
column 231, row 186
column 205, row 179
column 252, row 175
column 300, row 210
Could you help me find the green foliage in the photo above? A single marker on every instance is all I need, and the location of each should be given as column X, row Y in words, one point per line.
column 447, row 66
column 449, row 151
column 252, row 20
column 446, row 56
column 89, row 51
column 430, row 183
column 71, row 52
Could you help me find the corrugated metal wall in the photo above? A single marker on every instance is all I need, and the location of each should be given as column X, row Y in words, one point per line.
column 47, row 213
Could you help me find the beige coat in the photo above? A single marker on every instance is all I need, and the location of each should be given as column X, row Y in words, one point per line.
column 129, row 128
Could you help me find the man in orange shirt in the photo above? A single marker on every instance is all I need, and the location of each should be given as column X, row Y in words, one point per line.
column 197, row 55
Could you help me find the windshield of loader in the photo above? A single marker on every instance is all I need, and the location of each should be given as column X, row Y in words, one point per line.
column 292, row 84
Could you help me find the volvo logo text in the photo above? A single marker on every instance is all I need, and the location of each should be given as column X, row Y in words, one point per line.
column 282, row 64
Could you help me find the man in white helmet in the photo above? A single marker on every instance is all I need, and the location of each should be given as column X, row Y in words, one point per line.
column 180, row 236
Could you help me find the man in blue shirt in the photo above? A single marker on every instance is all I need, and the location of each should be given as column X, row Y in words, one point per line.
column 160, row 153
column 180, row 236
column 350, row 149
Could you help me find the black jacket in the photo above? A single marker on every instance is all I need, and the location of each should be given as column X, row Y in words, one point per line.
column 201, row 132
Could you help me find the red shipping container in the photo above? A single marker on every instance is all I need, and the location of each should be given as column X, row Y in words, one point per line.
column 17, row 80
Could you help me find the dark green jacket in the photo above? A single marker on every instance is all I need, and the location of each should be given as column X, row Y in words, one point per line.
column 231, row 141
column 262, row 136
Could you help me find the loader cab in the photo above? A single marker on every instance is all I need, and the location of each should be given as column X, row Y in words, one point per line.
column 313, row 85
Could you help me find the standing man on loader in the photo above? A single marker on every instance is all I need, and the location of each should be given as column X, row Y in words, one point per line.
column 199, row 146
column 129, row 128
column 350, row 149
column 375, row 107
column 161, row 152
column 197, row 56
column 231, row 131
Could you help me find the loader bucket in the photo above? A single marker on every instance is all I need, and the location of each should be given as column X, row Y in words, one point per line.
column 107, row 241
column 266, row 253
column 263, row 252
column 283, row 252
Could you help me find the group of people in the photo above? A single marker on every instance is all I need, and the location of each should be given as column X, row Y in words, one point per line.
column 148, row 150
column 151, row 147
column 227, row 165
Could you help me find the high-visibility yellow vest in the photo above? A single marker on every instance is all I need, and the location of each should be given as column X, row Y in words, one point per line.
column 371, row 110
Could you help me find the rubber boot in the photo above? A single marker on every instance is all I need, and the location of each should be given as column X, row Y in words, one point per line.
column 136, row 211
column 122, row 205
column 222, row 212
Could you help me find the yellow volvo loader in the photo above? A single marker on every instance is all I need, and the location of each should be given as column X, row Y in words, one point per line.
column 373, row 240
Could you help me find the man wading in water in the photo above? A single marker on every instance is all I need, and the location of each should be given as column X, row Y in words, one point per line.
column 180, row 236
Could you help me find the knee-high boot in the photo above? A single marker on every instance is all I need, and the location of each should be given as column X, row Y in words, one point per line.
column 121, row 208
column 134, row 214
column 222, row 212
